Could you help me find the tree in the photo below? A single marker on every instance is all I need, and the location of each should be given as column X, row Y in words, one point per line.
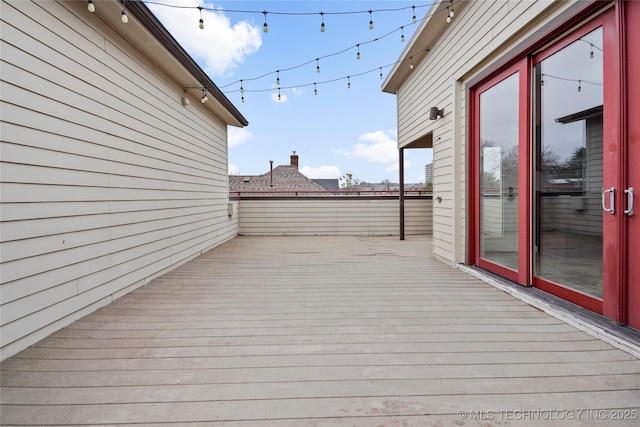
column 387, row 183
column 348, row 182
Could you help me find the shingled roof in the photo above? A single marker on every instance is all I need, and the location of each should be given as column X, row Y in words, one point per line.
column 283, row 177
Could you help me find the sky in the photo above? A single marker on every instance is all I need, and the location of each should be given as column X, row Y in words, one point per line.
column 340, row 130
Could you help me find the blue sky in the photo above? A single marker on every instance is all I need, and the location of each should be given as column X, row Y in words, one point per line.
column 340, row 130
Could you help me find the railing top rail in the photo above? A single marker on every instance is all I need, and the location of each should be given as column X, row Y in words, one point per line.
column 325, row 193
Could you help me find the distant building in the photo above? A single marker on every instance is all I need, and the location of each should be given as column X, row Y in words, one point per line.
column 281, row 179
column 428, row 173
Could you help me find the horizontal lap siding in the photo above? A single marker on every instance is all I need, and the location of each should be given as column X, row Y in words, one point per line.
column 480, row 32
column 353, row 217
column 107, row 180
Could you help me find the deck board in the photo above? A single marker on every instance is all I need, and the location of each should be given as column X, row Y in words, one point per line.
column 323, row 331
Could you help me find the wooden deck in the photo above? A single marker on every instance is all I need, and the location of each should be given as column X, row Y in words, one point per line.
column 320, row 331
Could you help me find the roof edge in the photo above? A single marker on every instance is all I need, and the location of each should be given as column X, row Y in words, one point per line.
column 155, row 27
column 430, row 30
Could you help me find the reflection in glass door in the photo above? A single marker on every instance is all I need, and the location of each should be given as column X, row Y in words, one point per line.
column 498, row 177
column 568, row 160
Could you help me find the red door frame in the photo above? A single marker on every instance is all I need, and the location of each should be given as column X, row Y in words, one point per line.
column 617, row 297
column 628, row 17
column 523, row 68
column 609, row 268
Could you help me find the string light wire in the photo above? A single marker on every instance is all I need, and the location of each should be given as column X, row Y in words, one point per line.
column 317, row 59
column 242, row 89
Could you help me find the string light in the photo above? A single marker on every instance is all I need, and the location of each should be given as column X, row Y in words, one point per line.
column 278, row 78
column 411, row 64
column 414, row 19
column 370, row 19
column 265, row 27
column 591, row 53
column 402, row 35
column 204, row 98
column 201, row 22
column 124, row 16
column 317, row 65
column 91, row 7
column 358, row 54
column 322, row 25
column 279, row 98
column 451, row 12
column 315, row 84
column 579, row 81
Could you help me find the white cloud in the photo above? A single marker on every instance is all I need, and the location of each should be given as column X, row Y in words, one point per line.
column 234, row 170
column 320, row 172
column 221, row 46
column 238, row 136
column 396, row 166
column 378, row 147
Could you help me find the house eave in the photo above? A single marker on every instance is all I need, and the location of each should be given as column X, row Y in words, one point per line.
column 147, row 34
column 429, row 31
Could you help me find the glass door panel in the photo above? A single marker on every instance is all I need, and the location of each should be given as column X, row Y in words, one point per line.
column 498, row 179
column 568, row 157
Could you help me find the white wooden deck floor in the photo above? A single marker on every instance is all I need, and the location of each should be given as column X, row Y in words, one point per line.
column 320, row 331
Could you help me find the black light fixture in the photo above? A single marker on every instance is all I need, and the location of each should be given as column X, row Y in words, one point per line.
column 434, row 113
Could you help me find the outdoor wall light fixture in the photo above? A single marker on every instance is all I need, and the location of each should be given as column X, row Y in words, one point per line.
column 434, row 113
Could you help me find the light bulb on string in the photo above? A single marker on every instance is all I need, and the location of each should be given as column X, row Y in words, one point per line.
column 204, row 96
column 380, row 73
column 322, row 25
column 315, row 89
column 265, row 27
column 358, row 54
column 448, row 19
column 451, row 12
column 402, row 34
column 123, row 17
column 241, row 88
column 411, row 64
column 591, row 53
column 279, row 98
column 201, row 22
column 579, row 85
column 414, row 20
column 91, row 7
column 348, row 82
column 370, row 19
column 317, row 65
column 278, row 78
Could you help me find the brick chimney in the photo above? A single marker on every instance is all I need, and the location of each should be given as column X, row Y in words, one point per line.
column 294, row 160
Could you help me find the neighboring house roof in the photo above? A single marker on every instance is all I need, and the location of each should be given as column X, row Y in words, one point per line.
column 328, row 184
column 283, row 178
column 175, row 61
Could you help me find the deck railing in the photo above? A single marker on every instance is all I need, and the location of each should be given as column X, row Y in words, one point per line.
column 350, row 212
column 238, row 195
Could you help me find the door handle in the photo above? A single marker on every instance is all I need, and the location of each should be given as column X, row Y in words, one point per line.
column 612, row 198
column 629, row 193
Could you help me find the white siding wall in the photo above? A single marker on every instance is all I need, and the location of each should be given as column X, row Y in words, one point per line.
column 348, row 217
column 107, row 180
column 480, row 32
